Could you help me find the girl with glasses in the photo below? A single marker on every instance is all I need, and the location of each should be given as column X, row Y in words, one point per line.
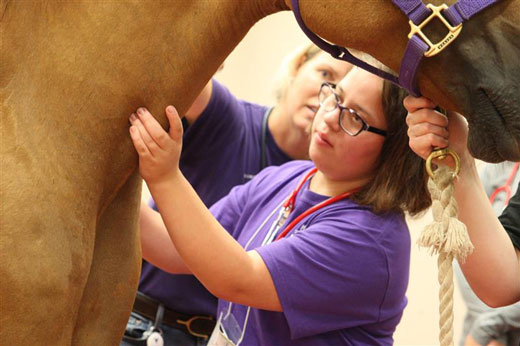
column 308, row 253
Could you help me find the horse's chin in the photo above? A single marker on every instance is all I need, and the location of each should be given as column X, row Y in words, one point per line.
column 494, row 127
column 505, row 149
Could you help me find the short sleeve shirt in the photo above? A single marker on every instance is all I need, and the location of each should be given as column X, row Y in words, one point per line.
column 341, row 274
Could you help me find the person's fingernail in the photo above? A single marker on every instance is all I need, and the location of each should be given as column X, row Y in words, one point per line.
column 133, row 117
column 141, row 110
column 170, row 109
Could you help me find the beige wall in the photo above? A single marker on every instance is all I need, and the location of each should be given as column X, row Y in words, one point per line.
column 248, row 71
column 248, row 74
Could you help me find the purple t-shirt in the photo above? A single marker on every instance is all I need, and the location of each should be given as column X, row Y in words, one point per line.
column 341, row 274
column 221, row 149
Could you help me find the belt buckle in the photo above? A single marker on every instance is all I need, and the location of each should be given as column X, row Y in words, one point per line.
column 188, row 323
column 435, row 48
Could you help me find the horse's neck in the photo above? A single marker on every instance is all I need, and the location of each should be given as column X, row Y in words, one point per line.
column 375, row 27
column 79, row 69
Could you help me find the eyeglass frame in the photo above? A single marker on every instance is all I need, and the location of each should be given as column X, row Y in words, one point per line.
column 365, row 126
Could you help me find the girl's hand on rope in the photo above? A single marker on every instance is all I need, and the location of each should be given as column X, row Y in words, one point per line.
column 429, row 129
column 159, row 151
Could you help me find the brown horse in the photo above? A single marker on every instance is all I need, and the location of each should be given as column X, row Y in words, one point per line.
column 72, row 72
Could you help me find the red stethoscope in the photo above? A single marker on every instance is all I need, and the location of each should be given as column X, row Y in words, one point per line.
column 506, row 187
column 288, row 206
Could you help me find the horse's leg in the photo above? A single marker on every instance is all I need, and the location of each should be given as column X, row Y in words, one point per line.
column 45, row 253
column 42, row 274
column 46, row 233
column 112, row 283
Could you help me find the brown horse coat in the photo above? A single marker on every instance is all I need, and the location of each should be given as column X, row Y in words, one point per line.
column 72, row 72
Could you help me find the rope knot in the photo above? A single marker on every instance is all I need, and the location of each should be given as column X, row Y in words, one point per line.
column 446, row 233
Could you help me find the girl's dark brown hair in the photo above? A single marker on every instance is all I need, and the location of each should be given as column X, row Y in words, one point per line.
column 399, row 183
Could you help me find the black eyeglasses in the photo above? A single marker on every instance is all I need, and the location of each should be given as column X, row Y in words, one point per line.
column 349, row 121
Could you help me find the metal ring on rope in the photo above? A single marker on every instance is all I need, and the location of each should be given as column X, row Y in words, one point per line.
column 441, row 155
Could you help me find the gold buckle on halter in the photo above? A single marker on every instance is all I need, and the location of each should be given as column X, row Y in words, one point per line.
column 441, row 154
column 438, row 47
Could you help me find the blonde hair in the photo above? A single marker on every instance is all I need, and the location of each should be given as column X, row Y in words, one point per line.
column 300, row 56
column 290, row 65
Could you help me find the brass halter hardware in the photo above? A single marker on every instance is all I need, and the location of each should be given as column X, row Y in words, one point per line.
column 438, row 47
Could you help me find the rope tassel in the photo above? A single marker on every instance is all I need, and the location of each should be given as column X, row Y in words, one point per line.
column 446, row 233
column 448, row 237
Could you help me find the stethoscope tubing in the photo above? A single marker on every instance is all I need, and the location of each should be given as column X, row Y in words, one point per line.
column 506, row 187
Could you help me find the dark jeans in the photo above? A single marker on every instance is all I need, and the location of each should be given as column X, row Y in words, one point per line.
column 172, row 336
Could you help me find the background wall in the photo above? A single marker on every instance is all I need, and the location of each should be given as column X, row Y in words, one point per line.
column 248, row 73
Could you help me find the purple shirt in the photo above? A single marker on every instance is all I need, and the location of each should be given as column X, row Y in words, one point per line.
column 221, row 149
column 341, row 274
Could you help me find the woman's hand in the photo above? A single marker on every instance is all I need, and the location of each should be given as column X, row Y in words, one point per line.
column 158, row 150
column 429, row 129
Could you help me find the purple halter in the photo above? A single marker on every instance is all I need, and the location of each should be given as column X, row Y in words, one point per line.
column 418, row 45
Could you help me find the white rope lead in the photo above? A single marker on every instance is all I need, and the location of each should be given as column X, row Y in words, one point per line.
column 448, row 237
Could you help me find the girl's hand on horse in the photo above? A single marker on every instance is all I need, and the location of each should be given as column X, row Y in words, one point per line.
column 158, row 150
column 429, row 129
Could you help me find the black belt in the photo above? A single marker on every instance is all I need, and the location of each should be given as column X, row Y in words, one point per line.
column 197, row 325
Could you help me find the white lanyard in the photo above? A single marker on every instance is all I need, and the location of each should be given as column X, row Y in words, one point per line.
column 215, row 340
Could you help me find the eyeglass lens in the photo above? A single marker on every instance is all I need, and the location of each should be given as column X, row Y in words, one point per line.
column 350, row 121
column 328, row 98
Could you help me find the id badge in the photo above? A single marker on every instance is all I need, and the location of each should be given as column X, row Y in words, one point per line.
column 217, row 338
column 227, row 331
